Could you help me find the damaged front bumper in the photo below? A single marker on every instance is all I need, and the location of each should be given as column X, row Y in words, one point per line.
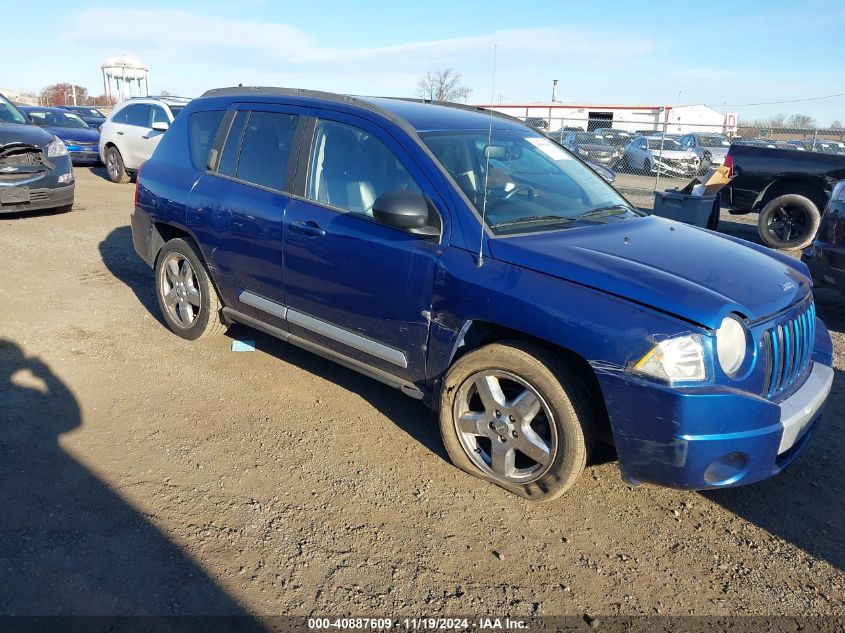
column 712, row 437
column 29, row 181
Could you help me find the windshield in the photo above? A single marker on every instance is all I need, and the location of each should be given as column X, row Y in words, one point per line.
column 669, row 144
column 56, row 118
column 532, row 184
column 89, row 112
column 591, row 139
column 713, row 141
column 9, row 113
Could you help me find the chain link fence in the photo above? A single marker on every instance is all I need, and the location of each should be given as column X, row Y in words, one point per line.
column 660, row 154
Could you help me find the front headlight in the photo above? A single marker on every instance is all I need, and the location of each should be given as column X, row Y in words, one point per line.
column 56, row 148
column 731, row 344
column 583, row 152
column 678, row 359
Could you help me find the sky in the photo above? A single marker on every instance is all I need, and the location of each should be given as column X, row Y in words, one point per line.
column 726, row 54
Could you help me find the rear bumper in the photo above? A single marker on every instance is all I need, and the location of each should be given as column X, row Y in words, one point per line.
column 43, row 198
column 710, row 437
column 141, row 230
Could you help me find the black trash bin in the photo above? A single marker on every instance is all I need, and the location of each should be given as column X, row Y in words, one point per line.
column 700, row 211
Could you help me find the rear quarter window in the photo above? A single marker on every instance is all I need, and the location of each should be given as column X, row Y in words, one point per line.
column 202, row 130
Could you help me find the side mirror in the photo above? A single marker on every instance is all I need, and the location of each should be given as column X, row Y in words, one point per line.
column 160, row 126
column 401, row 209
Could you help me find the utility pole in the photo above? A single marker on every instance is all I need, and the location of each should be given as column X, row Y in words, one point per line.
column 554, row 90
column 73, row 87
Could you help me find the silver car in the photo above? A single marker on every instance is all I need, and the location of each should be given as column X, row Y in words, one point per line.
column 710, row 148
column 647, row 154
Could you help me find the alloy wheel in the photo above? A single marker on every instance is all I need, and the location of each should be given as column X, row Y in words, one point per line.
column 788, row 223
column 112, row 166
column 179, row 289
column 505, row 427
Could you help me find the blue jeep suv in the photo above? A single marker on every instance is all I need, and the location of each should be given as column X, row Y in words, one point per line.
column 469, row 261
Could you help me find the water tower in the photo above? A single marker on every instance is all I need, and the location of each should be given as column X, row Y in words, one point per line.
column 125, row 77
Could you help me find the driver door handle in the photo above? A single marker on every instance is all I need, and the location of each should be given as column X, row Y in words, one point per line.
column 307, row 227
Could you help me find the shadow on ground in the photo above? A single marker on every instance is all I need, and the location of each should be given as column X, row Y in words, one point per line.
column 69, row 545
column 118, row 254
column 410, row 415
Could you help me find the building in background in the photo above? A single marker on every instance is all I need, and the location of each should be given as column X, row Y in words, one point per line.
column 677, row 119
column 125, row 77
column 21, row 97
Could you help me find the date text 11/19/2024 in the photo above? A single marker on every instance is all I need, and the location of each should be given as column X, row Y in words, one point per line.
column 417, row 624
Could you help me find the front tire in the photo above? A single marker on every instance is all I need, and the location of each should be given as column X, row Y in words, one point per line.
column 186, row 297
column 511, row 413
column 115, row 168
column 790, row 221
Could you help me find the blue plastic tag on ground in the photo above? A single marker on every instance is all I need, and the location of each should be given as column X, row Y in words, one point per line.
column 243, row 346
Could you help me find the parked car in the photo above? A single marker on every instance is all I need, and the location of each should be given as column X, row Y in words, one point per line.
column 826, row 256
column 133, row 130
column 618, row 138
column 799, row 145
column 786, row 188
column 35, row 169
column 647, row 154
column 592, row 147
column 710, row 148
column 537, row 122
column 608, row 175
column 472, row 263
column 92, row 116
column 81, row 139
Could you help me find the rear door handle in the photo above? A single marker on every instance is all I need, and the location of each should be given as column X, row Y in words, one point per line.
column 307, row 227
column 119, row 132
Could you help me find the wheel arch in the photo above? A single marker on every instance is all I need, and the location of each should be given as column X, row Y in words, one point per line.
column 807, row 186
column 476, row 334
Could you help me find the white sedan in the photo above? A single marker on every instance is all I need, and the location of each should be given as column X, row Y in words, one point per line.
column 647, row 154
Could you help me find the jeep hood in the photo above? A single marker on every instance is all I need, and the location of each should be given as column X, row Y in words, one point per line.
column 689, row 272
column 26, row 134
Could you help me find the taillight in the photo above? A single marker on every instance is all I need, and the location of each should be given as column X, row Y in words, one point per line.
column 729, row 163
column 138, row 182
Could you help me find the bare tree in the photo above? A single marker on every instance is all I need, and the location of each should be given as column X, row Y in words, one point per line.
column 801, row 121
column 836, row 125
column 442, row 85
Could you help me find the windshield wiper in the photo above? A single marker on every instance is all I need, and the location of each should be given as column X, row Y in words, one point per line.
column 534, row 218
column 605, row 210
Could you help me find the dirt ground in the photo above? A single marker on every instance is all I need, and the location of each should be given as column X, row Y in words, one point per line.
column 146, row 474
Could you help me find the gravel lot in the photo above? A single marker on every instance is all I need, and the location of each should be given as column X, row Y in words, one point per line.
column 146, row 474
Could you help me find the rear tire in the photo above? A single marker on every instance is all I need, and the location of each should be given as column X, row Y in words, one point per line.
column 186, row 296
column 115, row 168
column 790, row 221
column 513, row 414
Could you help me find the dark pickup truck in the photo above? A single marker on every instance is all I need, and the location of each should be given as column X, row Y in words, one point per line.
column 786, row 187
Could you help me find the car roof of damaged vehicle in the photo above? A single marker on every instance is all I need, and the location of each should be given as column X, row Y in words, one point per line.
column 422, row 116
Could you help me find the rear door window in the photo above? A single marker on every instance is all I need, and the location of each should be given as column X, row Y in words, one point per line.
column 138, row 114
column 229, row 158
column 202, row 130
column 258, row 147
column 121, row 116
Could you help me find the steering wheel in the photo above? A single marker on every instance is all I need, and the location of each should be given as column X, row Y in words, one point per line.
column 520, row 189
